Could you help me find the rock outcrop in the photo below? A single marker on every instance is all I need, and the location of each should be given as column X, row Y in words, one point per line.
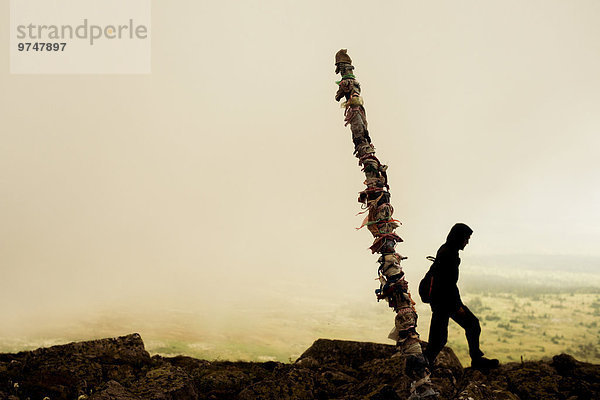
column 121, row 369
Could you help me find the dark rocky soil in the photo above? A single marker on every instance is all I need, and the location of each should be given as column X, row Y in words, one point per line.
column 121, row 369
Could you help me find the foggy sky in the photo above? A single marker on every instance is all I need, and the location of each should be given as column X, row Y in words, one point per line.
column 226, row 176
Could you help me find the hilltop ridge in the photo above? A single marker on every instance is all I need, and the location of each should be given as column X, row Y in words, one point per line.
column 121, row 369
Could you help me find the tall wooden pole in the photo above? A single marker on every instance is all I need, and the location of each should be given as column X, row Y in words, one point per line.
column 375, row 200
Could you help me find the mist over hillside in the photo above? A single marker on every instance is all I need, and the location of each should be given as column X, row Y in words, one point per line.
column 534, row 306
column 541, row 262
column 531, row 274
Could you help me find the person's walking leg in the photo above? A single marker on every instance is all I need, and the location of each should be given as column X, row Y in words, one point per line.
column 438, row 335
column 469, row 322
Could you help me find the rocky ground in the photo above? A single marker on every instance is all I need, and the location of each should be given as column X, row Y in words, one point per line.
column 121, row 369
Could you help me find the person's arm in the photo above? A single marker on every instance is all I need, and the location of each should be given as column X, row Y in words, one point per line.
column 447, row 277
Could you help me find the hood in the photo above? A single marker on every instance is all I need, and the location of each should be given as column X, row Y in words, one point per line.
column 458, row 234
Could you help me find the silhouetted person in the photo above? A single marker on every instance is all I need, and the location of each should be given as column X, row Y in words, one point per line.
column 446, row 302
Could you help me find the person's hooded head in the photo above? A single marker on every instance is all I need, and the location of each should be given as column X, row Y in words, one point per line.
column 459, row 236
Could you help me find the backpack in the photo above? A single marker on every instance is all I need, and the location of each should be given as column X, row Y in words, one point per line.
column 426, row 284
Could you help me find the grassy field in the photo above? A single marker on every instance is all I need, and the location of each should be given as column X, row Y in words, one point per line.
column 513, row 326
column 521, row 316
column 534, row 327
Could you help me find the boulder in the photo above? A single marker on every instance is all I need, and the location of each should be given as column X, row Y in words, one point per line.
column 165, row 382
column 112, row 390
column 345, row 352
column 67, row 371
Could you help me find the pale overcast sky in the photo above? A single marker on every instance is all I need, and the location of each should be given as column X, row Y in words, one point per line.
column 228, row 169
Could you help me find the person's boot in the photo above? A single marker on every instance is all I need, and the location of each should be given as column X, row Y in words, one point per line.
column 484, row 363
